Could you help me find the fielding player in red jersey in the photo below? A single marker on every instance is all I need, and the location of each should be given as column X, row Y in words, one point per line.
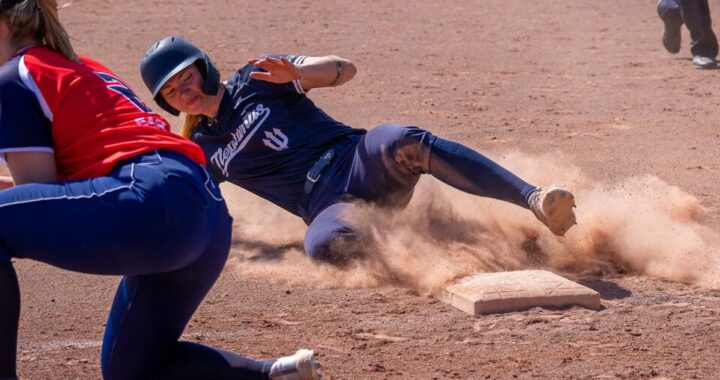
column 102, row 186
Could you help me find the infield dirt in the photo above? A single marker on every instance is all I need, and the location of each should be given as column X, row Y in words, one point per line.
column 559, row 91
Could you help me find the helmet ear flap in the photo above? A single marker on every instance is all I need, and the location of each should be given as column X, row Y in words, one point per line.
column 212, row 76
column 164, row 105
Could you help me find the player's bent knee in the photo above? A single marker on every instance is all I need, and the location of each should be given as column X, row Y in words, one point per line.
column 339, row 250
column 408, row 147
column 121, row 366
column 115, row 371
column 320, row 247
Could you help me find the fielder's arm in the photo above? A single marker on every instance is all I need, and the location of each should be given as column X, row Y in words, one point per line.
column 6, row 182
column 31, row 167
column 315, row 72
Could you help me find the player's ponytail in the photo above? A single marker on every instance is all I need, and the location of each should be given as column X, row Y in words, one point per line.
column 55, row 36
column 189, row 124
column 38, row 19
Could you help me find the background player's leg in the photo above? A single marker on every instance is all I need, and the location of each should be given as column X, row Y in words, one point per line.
column 669, row 9
column 669, row 12
column 330, row 238
column 696, row 15
column 9, row 315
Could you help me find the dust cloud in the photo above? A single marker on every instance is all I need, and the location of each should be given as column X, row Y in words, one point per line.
column 639, row 225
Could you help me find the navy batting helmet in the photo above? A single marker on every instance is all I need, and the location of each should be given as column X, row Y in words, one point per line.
column 168, row 57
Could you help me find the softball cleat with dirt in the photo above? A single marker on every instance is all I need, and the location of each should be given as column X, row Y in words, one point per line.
column 554, row 207
column 299, row 366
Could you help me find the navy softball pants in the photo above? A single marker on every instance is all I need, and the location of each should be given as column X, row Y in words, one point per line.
column 386, row 165
column 158, row 220
column 695, row 14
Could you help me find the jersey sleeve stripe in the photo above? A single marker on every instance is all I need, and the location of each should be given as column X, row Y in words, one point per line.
column 298, row 86
column 299, row 59
column 30, row 83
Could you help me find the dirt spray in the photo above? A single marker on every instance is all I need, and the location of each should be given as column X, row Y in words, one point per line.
column 638, row 225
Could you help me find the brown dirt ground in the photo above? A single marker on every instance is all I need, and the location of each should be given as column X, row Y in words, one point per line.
column 587, row 81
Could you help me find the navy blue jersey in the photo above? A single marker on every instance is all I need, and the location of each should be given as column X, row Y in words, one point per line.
column 24, row 116
column 267, row 136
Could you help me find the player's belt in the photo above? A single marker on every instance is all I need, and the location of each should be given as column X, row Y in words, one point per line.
column 313, row 175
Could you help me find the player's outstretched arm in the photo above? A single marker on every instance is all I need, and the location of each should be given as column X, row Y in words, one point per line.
column 315, row 72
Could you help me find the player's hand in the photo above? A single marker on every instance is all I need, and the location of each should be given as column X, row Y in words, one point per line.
column 279, row 70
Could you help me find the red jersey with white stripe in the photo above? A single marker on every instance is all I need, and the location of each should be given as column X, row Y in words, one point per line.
column 81, row 112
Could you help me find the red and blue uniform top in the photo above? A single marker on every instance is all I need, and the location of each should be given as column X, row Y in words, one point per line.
column 81, row 112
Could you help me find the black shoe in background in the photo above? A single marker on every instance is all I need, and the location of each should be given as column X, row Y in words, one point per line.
column 671, row 36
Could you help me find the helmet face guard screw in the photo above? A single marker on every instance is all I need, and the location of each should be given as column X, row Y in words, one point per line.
column 168, row 57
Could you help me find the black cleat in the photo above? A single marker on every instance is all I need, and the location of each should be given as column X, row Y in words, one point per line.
column 671, row 38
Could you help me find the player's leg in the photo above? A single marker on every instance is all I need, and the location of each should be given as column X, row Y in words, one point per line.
column 165, row 302
column 407, row 152
column 107, row 225
column 150, row 216
column 471, row 172
column 392, row 157
column 39, row 219
column 387, row 164
column 150, row 313
column 704, row 45
column 330, row 238
column 194, row 361
column 669, row 12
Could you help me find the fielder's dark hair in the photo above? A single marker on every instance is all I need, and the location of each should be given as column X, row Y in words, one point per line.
column 37, row 19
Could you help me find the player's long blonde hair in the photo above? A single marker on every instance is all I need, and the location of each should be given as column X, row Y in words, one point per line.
column 189, row 124
column 38, row 19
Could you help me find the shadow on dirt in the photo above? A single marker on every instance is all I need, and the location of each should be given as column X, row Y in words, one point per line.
column 256, row 250
column 608, row 290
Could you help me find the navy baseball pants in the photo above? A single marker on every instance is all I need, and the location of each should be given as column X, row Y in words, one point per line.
column 384, row 169
column 158, row 220
column 695, row 14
